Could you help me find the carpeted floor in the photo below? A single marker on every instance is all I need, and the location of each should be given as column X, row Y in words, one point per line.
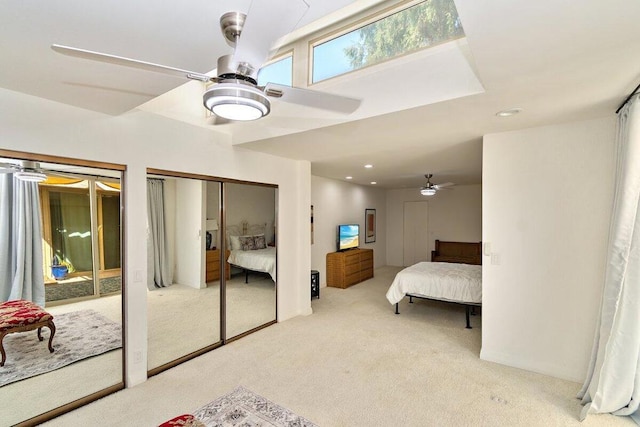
column 78, row 335
column 353, row 362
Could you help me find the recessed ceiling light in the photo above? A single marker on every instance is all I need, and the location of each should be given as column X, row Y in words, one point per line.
column 348, row 177
column 373, row 182
column 368, row 166
column 508, row 113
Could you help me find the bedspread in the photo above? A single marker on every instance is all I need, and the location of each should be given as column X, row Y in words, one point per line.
column 263, row 260
column 438, row 280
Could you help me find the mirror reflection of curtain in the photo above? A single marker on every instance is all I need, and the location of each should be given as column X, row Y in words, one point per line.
column 21, row 275
column 158, row 258
column 71, row 228
column 110, row 231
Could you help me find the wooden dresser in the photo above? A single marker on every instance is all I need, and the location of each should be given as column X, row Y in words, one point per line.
column 349, row 267
column 213, row 266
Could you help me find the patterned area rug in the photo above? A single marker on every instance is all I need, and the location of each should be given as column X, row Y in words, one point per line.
column 79, row 335
column 242, row 407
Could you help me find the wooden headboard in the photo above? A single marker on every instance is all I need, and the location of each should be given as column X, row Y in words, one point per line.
column 459, row 252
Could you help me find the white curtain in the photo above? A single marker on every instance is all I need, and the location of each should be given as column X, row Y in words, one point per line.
column 613, row 380
column 158, row 275
column 21, row 275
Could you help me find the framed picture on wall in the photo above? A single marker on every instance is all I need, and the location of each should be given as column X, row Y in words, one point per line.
column 369, row 225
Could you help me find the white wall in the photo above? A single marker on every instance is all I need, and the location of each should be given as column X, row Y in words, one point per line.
column 547, row 195
column 213, row 208
column 337, row 202
column 252, row 203
column 454, row 215
column 169, row 224
column 189, row 239
column 140, row 140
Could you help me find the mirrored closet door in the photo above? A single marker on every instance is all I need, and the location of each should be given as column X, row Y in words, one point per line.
column 250, row 232
column 61, row 249
column 184, row 274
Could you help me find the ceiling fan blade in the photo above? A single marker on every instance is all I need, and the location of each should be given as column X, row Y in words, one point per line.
column 311, row 98
column 265, row 23
column 445, row 185
column 128, row 62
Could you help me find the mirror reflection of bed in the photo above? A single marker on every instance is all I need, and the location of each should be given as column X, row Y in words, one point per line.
column 187, row 263
column 250, row 231
column 89, row 291
column 178, row 291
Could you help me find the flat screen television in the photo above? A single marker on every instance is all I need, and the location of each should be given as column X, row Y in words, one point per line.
column 348, row 236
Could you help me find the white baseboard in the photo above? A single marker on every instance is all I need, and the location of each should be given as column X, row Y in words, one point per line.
column 551, row 369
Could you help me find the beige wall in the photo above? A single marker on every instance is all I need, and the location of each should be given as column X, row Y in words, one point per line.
column 338, row 202
column 140, row 140
column 547, row 195
column 454, row 214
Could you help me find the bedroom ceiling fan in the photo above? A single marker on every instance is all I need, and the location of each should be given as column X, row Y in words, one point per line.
column 236, row 94
column 430, row 189
column 25, row 170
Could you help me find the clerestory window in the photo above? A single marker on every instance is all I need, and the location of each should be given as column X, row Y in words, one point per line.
column 417, row 27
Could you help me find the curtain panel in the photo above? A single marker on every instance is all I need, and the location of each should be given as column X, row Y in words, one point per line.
column 21, row 263
column 613, row 381
column 157, row 255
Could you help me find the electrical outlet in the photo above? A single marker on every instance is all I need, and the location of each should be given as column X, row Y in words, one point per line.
column 137, row 357
column 495, row 259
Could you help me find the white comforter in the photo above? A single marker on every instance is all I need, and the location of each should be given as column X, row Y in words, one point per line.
column 438, row 280
column 257, row 260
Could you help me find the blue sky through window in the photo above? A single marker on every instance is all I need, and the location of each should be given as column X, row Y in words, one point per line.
column 280, row 72
column 329, row 59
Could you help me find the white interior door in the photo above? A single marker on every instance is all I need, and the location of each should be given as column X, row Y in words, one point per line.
column 416, row 243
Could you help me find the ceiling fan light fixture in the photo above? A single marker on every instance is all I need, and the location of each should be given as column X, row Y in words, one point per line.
column 30, row 176
column 236, row 101
column 428, row 191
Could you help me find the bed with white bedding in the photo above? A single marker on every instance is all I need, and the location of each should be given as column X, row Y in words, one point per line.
column 442, row 281
column 262, row 260
column 248, row 249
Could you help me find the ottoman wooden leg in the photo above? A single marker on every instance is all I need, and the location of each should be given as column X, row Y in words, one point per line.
column 4, row 355
column 52, row 329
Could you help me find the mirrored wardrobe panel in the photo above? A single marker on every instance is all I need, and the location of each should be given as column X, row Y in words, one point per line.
column 183, row 268
column 60, row 258
column 250, row 232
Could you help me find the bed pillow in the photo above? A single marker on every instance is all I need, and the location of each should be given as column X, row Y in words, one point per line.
column 234, row 243
column 247, row 243
column 260, row 241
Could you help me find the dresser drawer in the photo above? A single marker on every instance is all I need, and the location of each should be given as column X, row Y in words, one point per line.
column 366, row 264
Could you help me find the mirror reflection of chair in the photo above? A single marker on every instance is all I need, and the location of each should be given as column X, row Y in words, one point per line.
column 22, row 316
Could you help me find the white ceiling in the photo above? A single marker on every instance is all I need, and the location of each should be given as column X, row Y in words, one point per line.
column 559, row 61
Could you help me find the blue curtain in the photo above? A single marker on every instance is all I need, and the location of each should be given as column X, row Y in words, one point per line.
column 21, row 275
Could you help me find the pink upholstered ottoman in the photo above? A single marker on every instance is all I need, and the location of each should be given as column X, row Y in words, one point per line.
column 21, row 316
column 184, row 420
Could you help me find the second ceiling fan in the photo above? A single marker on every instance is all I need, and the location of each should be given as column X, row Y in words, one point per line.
column 430, row 189
column 236, row 94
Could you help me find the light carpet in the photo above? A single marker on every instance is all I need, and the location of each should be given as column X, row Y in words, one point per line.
column 243, row 407
column 79, row 335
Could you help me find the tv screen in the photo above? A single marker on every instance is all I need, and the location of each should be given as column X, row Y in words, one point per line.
column 348, row 236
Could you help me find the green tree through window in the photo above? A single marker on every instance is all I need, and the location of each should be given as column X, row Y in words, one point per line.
column 423, row 25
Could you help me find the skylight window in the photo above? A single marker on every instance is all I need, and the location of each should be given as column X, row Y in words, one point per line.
column 280, row 72
column 417, row 27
